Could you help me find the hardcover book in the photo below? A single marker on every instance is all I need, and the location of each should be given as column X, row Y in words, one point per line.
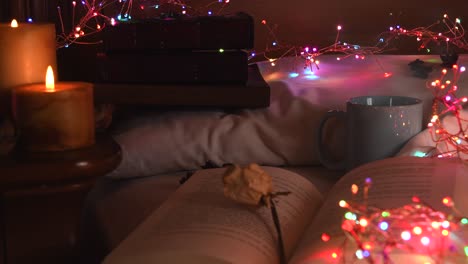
column 254, row 93
column 214, row 32
column 177, row 67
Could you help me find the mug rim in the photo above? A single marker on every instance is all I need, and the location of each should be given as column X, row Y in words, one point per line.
column 415, row 101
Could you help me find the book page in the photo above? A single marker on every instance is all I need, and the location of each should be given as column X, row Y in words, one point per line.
column 394, row 182
column 198, row 223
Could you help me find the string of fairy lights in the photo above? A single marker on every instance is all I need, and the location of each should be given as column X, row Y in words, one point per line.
column 94, row 20
column 450, row 142
column 415, row 228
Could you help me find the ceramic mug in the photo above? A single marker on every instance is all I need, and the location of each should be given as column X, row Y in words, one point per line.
column 376, row 127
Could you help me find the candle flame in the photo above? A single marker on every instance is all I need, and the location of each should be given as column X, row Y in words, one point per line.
column 50, row 85
column 14, row 23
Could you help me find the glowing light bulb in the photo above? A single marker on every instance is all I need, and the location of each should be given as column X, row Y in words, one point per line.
column 14, row 23
column 417, row 230
column 367, row 246
column 383, row 226
column 425, row 241
column 338, row 27
column 445, row 232
column 354, row 189
column 445, row 224
column 335, row 255
column 325, row 237
column 350, row 216
column 447, row 201
column 363, row 222
column 365, row 253
column 462, row 69
column 359, row 254
column 343, row 203
column 49, row 80
column 405, row 235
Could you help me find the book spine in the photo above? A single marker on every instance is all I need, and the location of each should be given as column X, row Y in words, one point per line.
column 173, row 67
column 205, row 33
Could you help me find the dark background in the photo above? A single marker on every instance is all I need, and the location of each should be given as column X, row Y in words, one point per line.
column 298, row 22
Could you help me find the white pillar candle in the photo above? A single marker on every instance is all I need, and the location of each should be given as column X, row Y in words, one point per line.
column 25, row 51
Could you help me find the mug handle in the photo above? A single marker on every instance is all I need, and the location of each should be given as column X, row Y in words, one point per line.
column 323, row 153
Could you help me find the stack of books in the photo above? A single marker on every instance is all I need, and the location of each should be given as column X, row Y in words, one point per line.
column 186, row 61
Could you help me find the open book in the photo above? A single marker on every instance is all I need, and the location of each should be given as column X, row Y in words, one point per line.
column 197, row 224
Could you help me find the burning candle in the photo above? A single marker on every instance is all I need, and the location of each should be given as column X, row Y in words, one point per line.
column 54, row 116
column 26, row 49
